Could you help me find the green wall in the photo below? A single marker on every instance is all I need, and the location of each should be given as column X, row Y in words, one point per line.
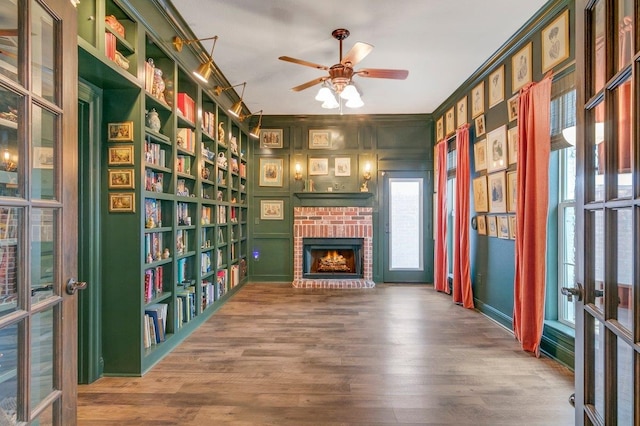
column 388, row 142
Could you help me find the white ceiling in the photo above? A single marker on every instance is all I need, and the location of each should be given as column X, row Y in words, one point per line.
column 440, row 42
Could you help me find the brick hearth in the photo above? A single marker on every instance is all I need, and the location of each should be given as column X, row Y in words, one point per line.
column 337, row 222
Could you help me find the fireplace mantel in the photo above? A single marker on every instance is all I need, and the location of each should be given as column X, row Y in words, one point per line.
column 334, row 199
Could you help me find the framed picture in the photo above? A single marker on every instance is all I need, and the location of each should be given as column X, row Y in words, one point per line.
column 342, row 166
column 450, row 121
column 480, row 199
column 440, row 129
column 122, row 132
column 318, row 166
column 512, row 142
column 503, row 227
column 271, row 172
column 512, row 227
column 272, row 209
column 496, row 87
column 479, row 123
column 477, row 100
column 271, row 138
column 512, row 191
column 121, row 179
column 492, row 228
column 120, row 155
column 319, row 139
column 482, row 224
column 461, row 112
column 555, row 42
column 512, row 107
column 497, row 149
column 497, row 187
column 521, row 68
column 122, row 202
column 43, row 157
column 480, row 155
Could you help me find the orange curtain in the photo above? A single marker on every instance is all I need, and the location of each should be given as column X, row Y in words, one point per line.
column 462, row 292
column 531, row 213
column 440, row 272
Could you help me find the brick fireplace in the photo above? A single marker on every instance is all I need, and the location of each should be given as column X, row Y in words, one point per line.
column 328, row 223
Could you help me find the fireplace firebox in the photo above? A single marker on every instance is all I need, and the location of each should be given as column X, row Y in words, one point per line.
column 332, row 257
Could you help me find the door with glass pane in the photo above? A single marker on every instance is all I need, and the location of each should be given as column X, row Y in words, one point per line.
column 37, row 211
column 608, row 214
column 405, row 228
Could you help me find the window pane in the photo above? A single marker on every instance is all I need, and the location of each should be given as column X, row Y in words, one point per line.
column 599, row 146
column 624, row 104
column 625, row 383
column 9, row 370
column 625, row 28
column 10, row 107
column 405, row 204
column 44, row 154
column 42, row 333
column 43, row 52
column 599, row 53
column 598, row 258
column 568, row 173
column 10, row 274
column 598, row 340
column 9, row 40
column 567, row 272
column 625, row 266
column 42, row 254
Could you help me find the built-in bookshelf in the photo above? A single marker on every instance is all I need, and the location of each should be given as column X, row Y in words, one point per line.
column 178, row 248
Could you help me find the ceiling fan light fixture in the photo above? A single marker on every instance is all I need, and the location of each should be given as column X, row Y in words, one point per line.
column 349, row 92
column 355, row 102
column 330, row 103
column 324, row 94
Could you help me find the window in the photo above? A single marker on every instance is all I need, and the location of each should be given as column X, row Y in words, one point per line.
column 566, row 233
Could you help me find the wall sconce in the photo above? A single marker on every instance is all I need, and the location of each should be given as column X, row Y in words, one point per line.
column 298, row 174
column 236, row 108
column 366, row 175
column 203, row 72
column 255, row 132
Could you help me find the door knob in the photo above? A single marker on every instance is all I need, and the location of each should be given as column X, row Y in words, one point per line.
column 572, row 291
column 73, row 285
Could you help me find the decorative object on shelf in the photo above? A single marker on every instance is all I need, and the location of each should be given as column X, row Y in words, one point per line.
column 121, row 61
column 203, row 72
column 220, row 196
column 366, row 175
column 120, row 132
column 233, row 144
column 115, row 25
column 153, row 120
column 221, row 132
column 309, row 185
column 158, row 87
column 221, row 160
column 205, row 173
column 166, row 253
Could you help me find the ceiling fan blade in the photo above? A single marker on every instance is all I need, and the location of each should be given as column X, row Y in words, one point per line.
column 357, row 53
column 305, row 63
column 383, row 73
column 309, row 84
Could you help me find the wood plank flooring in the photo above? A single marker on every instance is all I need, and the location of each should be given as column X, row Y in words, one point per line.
column 396, row 354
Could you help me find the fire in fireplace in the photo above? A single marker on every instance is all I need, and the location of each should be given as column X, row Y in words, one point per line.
column 332, row 257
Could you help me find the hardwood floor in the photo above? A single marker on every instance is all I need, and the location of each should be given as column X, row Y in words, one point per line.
column 396, row 354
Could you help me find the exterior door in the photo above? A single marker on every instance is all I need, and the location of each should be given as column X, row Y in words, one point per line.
column 405, row 232
column 607, row 290
column 38, row 198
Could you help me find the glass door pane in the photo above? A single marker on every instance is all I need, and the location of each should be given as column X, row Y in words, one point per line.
column 405, row 224
column 11, row 275
column 10, row 131
column 9, row 40
column 43, row 69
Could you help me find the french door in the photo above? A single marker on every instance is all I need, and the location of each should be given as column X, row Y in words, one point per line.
column 607, row 289
column 38, row 199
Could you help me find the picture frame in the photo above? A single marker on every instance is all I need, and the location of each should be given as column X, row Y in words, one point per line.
column 496, row 87
column 512, row 191
column 480, row 196
column 270, row 138
column 477, row 100
column 497, row 192
column 450, row 121
column 512, row 107
column 120, row 132
column 482, row 225
column 272, row 209
column 318, row 166
column 512, row 227
column 121, row 179
column 492, row 227
column 319, row 139
column 521, row 68
column 497, row 149
column 479, row 125
column 271, row 170
column 121, row 155
column 555, row 42
column 480, row 155
column 512, row 145
column 440, row 129
column 461, row 112
column 122, row 202
column 43, row 157
column 503, row 227
column 342, row 166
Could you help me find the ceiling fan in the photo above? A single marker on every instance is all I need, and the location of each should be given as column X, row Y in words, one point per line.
column 341, row 73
